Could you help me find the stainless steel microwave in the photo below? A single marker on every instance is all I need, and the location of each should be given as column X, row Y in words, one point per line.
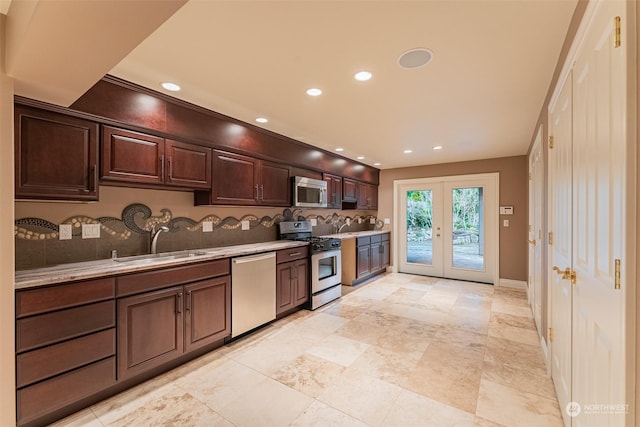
column 309, row 193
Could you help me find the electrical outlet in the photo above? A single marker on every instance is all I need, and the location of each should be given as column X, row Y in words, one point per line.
column 359, row 220
column 347, row 221
column 245, row 225
column 207, row 226
column 387, row 221
column 64, row 231
column 90, row 231
column 505, row 223
column 372, row 220
column 314, row 222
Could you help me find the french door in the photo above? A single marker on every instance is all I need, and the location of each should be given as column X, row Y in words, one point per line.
column 448, row 227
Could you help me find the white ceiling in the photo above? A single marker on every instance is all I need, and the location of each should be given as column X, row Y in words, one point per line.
column 479, row 98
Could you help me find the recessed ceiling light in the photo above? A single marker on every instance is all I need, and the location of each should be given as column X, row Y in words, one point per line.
column 261, row 120
column 362, row 76
column 339, row 149
column 377, row 164
column 408, row 151
column 437, row 147
column 415, row 58
column 171, row 86
column 314, row 92
column 360, row 157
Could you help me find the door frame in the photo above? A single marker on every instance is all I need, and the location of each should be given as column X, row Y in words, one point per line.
column 492, row 212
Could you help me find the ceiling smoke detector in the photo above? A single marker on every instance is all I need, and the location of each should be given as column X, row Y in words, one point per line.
column 415, row 58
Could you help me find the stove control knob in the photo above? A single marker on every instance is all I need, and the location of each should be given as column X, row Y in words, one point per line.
column 335, row 244
column 316, row 246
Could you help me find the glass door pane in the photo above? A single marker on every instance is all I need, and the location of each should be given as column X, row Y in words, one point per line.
column 419, row 227
column 468, row 231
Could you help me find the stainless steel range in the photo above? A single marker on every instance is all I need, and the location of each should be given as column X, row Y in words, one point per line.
column 326, row 264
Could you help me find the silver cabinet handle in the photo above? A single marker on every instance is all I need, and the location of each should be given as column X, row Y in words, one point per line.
column 170, row 168
column 162, row 166
column 179, row 302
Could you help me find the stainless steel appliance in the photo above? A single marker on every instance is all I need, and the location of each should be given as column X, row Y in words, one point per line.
column 309, row 192
column 253, row 292
column 325, row 258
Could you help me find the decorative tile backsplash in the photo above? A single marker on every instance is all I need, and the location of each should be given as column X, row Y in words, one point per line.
column 38, row 244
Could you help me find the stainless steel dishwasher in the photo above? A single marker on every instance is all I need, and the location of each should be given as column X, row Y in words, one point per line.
column 253, row 292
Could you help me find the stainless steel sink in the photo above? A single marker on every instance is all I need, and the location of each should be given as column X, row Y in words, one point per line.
column 147, row 259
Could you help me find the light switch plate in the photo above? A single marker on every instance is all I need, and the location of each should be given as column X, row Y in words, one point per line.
column 245, row 225
column 505, row 223
column 314, row 222
column 90, row 231
column 64, row 232
column 207, row 226
column 372, row 220
column 387, row 221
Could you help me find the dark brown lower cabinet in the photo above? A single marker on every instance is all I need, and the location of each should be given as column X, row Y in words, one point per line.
column 156, row 327
column 363, row 260
column 207, row 318
column 292, row 279
column 65, row 346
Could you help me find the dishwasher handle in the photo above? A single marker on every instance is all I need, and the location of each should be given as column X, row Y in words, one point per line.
column 252, row 258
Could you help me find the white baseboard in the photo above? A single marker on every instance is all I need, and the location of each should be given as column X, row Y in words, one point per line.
column 516, row 284
column 545, row 353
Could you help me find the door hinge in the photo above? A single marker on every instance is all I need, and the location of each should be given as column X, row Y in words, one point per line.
column 617, row 275
column 550, row 141
column 550, row 238
column 530, row 178
column 618, row 35
column 550, row 334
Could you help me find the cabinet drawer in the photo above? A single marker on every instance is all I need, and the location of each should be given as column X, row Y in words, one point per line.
column 363, row 241
column 376, row 238
column 49, row 361
column 63, row 296
column 158, row 279
column 286, row 255
column 385, row 237
column 47, row 396
column 44, row 329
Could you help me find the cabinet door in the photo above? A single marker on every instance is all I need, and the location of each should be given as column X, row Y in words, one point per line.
column 56, row 156
column 207, row 312
column 275, row 187
column 386, row 253
column 367, row 196
column 373, row 197
column 334, row 190
column 376, row 257
column 150, row 330
column 349, row 190
column 235, row 179
column 187, row 165
column 302, row 281
column 363, row 260
column 285, row 289
column 132, row 156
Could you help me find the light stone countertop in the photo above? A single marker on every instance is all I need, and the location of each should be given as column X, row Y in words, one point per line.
column 354, row 234
column 25, row 279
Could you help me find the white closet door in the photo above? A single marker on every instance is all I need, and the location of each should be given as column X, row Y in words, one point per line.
column 599, row 98
column 560, row 218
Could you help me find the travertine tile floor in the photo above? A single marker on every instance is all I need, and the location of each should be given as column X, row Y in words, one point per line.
column 401, row 350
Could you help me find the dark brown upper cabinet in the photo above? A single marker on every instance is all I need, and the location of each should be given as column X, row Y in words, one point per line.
column 138, row 158
column 367, row 196
column 56, row 156
column 334, row 190
column 244, row 180
column 349, row 190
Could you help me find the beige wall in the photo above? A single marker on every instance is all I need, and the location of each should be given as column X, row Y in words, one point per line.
column 7, row 317
column 513, row 192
